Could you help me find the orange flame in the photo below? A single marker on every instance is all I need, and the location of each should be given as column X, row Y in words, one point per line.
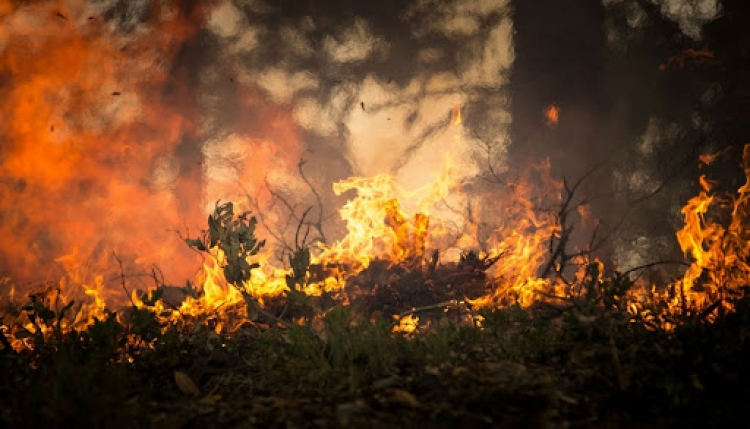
column 552, row 114
column 720, row 252
column 456, row 115
column 79, row 94
column 98, row 128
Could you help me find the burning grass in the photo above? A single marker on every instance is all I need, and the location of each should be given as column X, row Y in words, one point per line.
column 589, row 364
column 380, row 329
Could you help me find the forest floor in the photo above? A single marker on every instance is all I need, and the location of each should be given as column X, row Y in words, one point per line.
column 585, row 362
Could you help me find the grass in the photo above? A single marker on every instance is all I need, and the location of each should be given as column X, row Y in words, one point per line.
column 587, row 364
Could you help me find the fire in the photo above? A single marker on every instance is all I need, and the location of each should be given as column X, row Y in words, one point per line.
column 720, row 252
column 378, row 226
column 552, row 114
column 99, row 126
column 521, row 240
column 456, row 116
column 407, row 324
column 93, row 127
column 83, row 125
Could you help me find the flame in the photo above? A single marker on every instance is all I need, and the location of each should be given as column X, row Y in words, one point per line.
column 456, row 115
column 709, row 158
column 407, row 324
column 720, row 252
column 84, row 123
column 552, row 115
column 98, row 128
column 378, row 226
column 93, row 124
column 521, row 239
column 688, row 56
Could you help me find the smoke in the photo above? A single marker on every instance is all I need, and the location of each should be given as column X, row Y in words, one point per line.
column 660, row 120
column 124, row 121
column 689, row 15
column 92, row 113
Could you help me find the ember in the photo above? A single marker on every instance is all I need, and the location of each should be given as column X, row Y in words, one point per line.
column 552, row 113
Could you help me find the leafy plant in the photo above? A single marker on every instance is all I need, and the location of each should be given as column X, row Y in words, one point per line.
column 234, row 237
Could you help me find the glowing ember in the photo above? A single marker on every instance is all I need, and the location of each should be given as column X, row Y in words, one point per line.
column 407, row 324
column 552, row 115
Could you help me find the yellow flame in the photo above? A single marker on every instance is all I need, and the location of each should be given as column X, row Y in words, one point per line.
column 456, row 115
column 720, row 252
column 406, row 324
column 377, row 225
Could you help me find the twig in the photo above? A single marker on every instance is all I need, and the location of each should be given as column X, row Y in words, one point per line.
column 710, row 309
column 278, row 233
column 488, row 149
column 678, row 168
column 262, row 220
column 557, row 245
column 653, row 264
column 592, row 243
column 444, row 304
column 432, row 265
column 157, row 283
column 319, row 223
column 553, row 296
column 122, row 278
column 183, row 238
column 299, row 228
column 253, row 306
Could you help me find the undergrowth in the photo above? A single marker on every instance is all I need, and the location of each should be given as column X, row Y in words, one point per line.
column 588, row 360
column 589, row 363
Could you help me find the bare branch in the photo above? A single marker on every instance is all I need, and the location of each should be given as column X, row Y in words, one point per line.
column 654, row 264
column 488, row 150
column 319, row 223
column 559, row 257
column 122, row 278
column 262, row 220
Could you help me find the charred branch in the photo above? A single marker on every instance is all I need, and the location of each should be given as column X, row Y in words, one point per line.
column 122, row 278
column 558, row 244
